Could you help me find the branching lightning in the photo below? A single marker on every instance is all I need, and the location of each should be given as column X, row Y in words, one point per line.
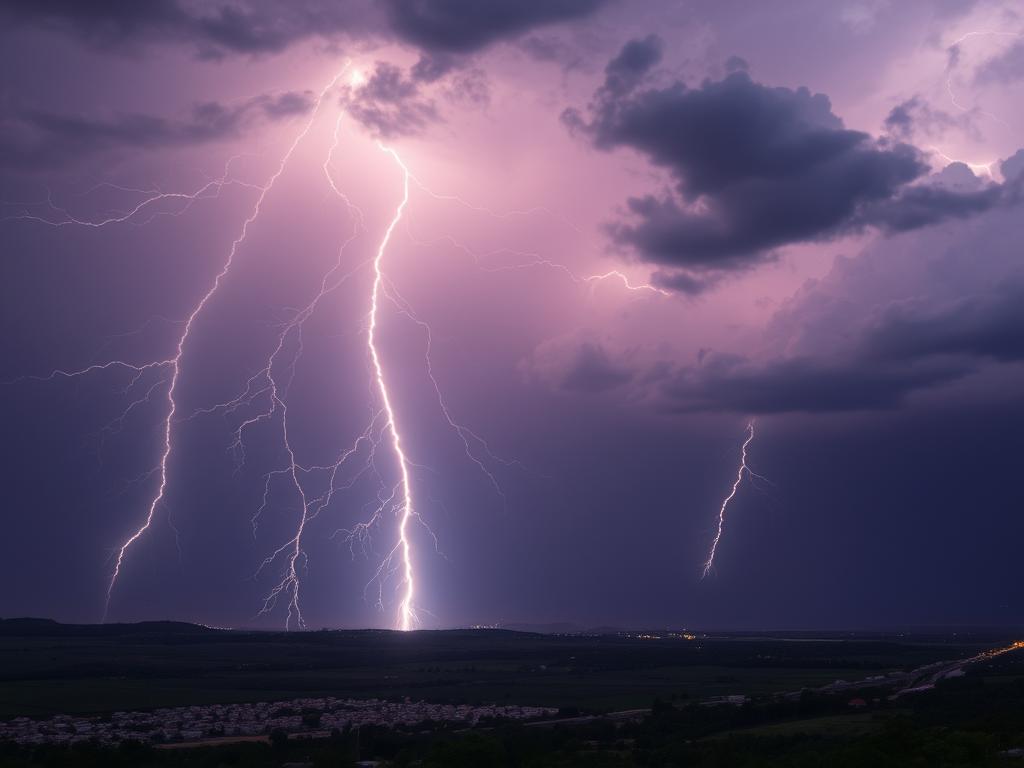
column 978, row 169
column 175, row 361
column 210, row 189
column 265, row 394
column 526, row 259
column 954, row 49
column 741, row 472
column 406, row 611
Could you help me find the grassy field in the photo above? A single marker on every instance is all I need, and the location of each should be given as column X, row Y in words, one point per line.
column 833, row 726
column 608, row 691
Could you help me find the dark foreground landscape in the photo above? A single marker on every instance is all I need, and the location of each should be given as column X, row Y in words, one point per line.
column 165, row 694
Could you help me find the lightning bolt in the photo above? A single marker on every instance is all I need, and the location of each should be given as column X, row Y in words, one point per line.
column 175, row 361
column 211, row 189
column 264, row 397
column 406, row 611
column 955, row 46
column 528, row 259
column 273, row 385
column 741, row 472
column 978, row 169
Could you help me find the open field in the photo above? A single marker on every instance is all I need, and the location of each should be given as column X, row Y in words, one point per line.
column 47, row 669
column 969, row 716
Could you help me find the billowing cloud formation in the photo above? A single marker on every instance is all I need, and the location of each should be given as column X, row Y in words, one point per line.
column 592, row 370
column 578, row 364
column 390, row 103
column 1013, row 167
column 911, row 347
column 268, row 26
column 989, row 325
column 806, row 384
column 45, row 139
column 635, row 60
column 1008, row 67
column 247, row 27
column 940, row 309
column 467, row 25
column 755, row 167
column 916, row 116
column 393, row 103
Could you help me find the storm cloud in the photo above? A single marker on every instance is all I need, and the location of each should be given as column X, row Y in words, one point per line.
column 464, row 26
column 39, row 139
column 755, row 168
column 390, row 103
column 1008, row 67
column 911, row 346
column 252, row 27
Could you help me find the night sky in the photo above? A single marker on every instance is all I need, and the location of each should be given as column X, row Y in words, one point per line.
column 631, row 229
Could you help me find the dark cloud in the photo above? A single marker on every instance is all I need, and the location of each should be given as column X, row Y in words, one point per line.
column 635, row 60
column 912, row 346
column 592, row 370
column 924, row 205
column 803, row 384
column 736, row 64
column 214, row 29
column 267, row 26
column 1008, row 67
column 580, row 364
column 45, row 139
column 684, row 282
column 989, row 325
column 289, row 104
column 104, row 22
column 755, row 168
column 916, row 116
column 900, row 120
column 391, row 103
column 434, row 66
column 463, row 26
column 1013, row 167
column 543, row 48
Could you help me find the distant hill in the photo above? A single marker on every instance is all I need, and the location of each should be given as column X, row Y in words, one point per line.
column 553, row 628
column 34, row 627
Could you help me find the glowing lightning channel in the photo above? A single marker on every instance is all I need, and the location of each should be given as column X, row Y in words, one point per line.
column 211, row 189
column 406, row 611
column 949, row 70
column 743, row 470
column 532, row 259
column 978, row 169
column 175, row 361
column 266, row 382
column 271, row 386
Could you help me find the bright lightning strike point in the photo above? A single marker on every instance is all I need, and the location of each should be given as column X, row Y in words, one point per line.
column 357, row 79
column 743, row 470
column 978, row 169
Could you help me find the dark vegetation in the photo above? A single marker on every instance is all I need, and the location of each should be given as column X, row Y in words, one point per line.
column 966, row 721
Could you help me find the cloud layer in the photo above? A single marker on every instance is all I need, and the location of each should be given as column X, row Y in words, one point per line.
column 268, row 26
column 39, row 139
column 755, row 168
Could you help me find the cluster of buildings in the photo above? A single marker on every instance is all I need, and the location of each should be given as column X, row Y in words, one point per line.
column 201, row 722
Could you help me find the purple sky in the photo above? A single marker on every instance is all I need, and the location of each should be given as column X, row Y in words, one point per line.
column 631, row 228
